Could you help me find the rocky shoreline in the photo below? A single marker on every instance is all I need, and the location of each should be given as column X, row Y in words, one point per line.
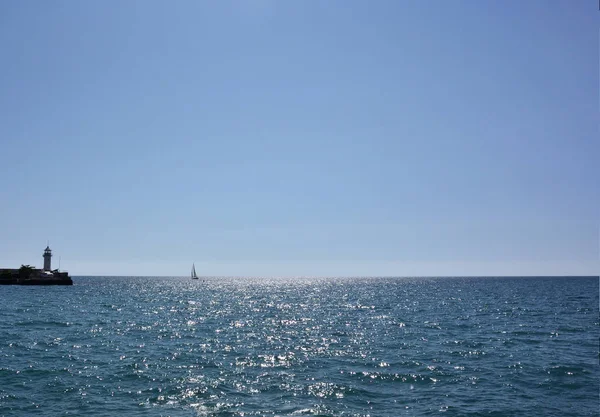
column 33, row 277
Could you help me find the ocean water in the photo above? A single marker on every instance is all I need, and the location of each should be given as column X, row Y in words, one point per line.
column 301, row 347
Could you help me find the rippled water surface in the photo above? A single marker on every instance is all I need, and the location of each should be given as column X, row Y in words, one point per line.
column 320, row 347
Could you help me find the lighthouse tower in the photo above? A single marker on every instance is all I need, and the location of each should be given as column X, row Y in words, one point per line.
column 47, row 258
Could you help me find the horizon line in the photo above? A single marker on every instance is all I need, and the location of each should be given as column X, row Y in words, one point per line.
column 341, row 276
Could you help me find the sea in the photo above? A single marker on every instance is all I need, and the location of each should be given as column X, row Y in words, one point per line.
column 172, row 346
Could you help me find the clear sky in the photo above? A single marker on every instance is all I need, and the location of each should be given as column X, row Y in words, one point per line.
column 266, row 137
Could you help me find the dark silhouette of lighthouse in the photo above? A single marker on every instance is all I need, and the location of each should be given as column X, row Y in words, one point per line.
column 47, row 259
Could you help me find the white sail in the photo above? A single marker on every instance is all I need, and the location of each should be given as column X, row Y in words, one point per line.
column 194, row 276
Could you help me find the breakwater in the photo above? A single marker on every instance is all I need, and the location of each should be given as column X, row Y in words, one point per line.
column 24, row 276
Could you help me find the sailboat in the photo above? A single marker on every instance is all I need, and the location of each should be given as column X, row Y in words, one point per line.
column 194, row 276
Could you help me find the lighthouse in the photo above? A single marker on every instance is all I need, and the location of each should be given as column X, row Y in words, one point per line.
column 47, row 258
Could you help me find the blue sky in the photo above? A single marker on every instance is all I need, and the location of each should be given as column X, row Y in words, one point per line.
column 301, row 138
